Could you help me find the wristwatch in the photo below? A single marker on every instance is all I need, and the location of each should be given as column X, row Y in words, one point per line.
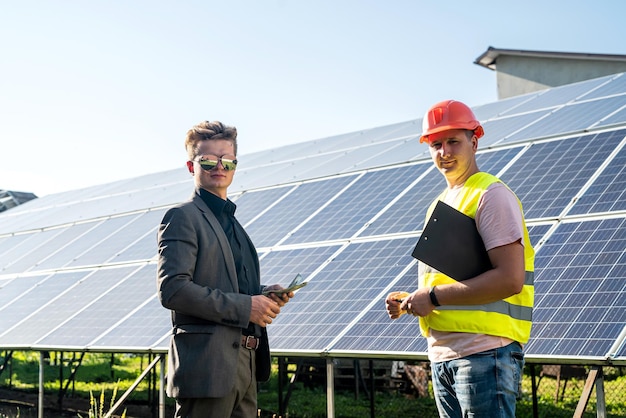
column 433, row 297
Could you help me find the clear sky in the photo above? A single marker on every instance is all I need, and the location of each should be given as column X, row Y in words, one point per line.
column 97, row 91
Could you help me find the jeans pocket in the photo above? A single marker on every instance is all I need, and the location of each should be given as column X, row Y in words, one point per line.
column 517, row 357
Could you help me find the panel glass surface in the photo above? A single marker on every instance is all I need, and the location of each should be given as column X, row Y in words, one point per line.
column 280, row 267
column 400, row 151
column 497, row 130
column 548, row 175
column 302, row 149
column 33, row 259
column 106, row 311
column 343, row 161
column 375, row 331
column 339, row 293
column 495, row 109
column 13, row 312
column 580, row 298
column 36, row 243
column 14, row 289
column 559, row 95
column 287, row 214
column 408, row 213
column 608, row 191
column 11, row 249
column 536, row 233
column 251, row 204
column 344, row 216
column 145, row 247
column 52, row 314
column 100, row 229
column 571, row 118
column 618, row 117
column 117, row 240
column 614, row 84
column 141, row 330
column 494, row 162
column 262, row 176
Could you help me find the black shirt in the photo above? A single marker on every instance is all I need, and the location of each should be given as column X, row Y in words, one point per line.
column 244, row 253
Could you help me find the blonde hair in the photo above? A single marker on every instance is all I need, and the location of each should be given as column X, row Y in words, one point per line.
column 209, row 131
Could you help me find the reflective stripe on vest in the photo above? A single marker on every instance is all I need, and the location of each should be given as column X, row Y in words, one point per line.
column 510, row 317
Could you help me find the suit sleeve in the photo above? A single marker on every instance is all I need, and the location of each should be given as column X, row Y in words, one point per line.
column 192, row 279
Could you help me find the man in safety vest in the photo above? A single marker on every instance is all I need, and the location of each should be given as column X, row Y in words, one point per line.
column 475, row 328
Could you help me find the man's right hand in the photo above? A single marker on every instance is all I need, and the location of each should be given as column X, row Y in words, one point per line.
column 393, row 302
column 264, row 310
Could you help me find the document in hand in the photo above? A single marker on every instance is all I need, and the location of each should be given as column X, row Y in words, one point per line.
column 451, row 244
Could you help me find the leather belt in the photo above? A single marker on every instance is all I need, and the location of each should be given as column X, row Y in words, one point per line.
column 250, row 342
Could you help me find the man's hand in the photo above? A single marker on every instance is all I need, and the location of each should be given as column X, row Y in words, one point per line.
column 418, row 303
column 274, row 293
column 264, row 310
column 393, row 302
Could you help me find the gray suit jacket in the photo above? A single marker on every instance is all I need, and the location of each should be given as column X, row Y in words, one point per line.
column 197, row 280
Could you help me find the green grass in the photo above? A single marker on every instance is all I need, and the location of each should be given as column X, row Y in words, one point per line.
column 97, row 374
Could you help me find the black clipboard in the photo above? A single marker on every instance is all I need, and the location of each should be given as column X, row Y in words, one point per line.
column 451, row 244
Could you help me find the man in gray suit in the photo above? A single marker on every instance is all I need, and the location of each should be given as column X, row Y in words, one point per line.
column 208, row 276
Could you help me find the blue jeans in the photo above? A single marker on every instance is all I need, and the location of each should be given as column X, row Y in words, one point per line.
column 485, row 384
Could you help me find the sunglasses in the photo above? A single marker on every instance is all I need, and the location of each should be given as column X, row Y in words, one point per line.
column 209, row 162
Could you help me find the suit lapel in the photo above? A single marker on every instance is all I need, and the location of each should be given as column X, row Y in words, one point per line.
column 221, row 239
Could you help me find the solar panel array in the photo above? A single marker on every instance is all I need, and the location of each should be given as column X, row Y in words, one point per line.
column 78, row 269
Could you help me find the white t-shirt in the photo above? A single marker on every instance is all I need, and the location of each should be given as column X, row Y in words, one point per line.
column 499, row 222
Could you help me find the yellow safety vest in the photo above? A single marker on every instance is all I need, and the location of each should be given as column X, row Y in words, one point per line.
column 510, row 317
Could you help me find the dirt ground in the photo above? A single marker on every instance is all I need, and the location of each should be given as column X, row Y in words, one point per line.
column 14, row 403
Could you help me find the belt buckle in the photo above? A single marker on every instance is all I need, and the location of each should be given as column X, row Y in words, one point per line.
column 251, row 342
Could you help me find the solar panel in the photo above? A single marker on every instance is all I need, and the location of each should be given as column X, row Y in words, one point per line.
column 30, row 250
column 46, row 247
column 337, row 294
column 117, row 240
column 280, row 267
column 408, row 212
column 558, row 96
column 580, row 298
column 54, row 311
column 608, row 191
column 354, row 208
column 77, row 269
column 31, row 300
column 495, row 109
column 618, row 117
column 375, row 332
column 15, row 288
column 571, row 118
column 12, row 248
column 146, row 327
column 498, row 130
column 107, row 310
column 251, row 204
column 614, row 84
column 295, row 208
column 339, row 162
column 549, row 174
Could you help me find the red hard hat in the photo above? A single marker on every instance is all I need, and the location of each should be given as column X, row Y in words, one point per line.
column 447, row 115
